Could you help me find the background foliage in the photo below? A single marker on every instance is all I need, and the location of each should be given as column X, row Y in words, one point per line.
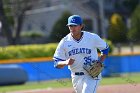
column 27, row 51
column 117, row 29
column 60, row 29
column 134, row 32
column 32, row 51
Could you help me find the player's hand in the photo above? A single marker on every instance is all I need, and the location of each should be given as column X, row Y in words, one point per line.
column 70, row 61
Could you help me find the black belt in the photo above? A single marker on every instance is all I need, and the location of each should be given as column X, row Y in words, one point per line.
column 79, row 73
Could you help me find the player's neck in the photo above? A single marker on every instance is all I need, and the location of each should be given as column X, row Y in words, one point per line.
column 78, row 36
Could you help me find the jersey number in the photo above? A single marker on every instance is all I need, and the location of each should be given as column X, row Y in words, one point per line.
column 87, row 60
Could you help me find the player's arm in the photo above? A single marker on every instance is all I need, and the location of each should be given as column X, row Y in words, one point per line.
column 103, row 57
column 102, row 46
column 61, row 63
column 104, row 53
column 60, row 56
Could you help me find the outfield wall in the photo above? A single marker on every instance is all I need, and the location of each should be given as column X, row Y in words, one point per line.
column 122, row 65
column 44, row 70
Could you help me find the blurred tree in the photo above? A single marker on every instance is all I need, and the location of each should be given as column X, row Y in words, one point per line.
column 60, row 29
column 5, row 24
column 117, row 29
column 131, row 4
column 134, row 32
column 12, row 13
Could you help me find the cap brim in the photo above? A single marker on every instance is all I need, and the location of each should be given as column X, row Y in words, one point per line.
column 71, row 24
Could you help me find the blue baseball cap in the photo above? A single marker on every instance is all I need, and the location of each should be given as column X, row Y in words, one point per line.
column 74, row 20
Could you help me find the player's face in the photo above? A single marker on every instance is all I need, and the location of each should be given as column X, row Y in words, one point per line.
column 75, row 29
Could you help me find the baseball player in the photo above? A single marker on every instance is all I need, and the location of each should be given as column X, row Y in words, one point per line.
column 78, row 48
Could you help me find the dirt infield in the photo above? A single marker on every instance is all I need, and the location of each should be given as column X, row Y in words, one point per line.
column 120, row 88
column 124, row 88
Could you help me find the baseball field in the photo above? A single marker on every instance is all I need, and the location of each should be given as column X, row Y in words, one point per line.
column 129, row 83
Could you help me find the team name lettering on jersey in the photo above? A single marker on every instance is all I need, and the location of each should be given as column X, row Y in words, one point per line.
column 79, row 51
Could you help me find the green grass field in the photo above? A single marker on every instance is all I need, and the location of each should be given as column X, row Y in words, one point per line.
column 127, row 79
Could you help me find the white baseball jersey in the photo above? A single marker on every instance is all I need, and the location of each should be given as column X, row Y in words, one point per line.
column 83, row 50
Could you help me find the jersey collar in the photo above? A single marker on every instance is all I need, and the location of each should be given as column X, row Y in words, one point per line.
column 79, row 39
